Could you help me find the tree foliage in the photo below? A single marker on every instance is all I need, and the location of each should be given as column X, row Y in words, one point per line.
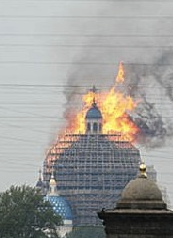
column 24, row 213
column 87, row 232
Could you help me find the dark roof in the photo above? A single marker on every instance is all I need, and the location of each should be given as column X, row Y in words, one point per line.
column 93, row 112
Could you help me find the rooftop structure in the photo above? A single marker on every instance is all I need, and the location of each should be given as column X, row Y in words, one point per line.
column 140, row 213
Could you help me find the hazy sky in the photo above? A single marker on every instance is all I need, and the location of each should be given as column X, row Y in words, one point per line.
column 48, row 47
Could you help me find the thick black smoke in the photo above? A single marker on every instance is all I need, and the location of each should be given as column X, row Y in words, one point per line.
column 163, row 72
column 154, row 85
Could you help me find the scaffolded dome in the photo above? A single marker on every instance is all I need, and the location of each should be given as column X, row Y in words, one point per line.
column 92, row 169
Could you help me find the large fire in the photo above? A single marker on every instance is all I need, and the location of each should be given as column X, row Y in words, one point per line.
column 115, row 108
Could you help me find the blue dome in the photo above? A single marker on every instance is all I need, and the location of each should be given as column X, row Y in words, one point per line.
column 93, row 112
column 60, row 206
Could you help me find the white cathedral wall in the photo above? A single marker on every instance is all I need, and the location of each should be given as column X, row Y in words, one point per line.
column 65, row 229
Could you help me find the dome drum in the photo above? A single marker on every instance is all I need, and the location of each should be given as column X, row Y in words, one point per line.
column 141, row 205
column 93, row 120
column 93, row 126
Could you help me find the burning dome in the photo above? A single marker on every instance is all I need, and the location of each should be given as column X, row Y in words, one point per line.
column 94, row 158
column 93, row 112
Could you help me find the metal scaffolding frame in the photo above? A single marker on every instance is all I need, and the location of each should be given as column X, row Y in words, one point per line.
column 91, row 170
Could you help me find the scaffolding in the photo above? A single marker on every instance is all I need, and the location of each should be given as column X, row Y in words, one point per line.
column 91, row 170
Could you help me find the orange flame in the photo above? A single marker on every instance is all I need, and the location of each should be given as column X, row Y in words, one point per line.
column 120, row 76
column 115, row 108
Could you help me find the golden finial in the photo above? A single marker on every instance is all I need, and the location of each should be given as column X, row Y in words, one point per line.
column 143, row 170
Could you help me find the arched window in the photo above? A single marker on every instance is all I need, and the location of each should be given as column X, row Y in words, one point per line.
column 88, row 126
column 100, row 127
column 95, row 127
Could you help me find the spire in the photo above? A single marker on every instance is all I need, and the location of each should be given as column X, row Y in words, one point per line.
column 39, row 183
column 39, row 172
column 94, row 104
column 94, row 90
column 53, row 185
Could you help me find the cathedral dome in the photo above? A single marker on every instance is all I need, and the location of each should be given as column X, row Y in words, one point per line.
column 141, row 189
column 141, row 193
column 60, row 206
column 58, row 203
column 93, row 112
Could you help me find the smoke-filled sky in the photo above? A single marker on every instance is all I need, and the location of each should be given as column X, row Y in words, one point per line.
column 52, row 51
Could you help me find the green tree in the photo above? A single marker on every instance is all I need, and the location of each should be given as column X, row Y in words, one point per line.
column 24, row 214
column 87, row 232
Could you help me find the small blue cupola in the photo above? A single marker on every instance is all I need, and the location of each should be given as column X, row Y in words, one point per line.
column 93, row 119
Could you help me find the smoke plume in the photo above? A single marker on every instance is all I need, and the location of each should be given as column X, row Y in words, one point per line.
column 153, row 85
column 148, row 71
